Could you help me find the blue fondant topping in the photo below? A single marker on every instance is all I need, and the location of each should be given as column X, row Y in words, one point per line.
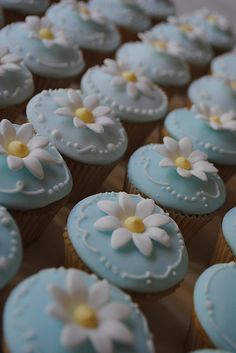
column 225, row 66
column 158, row 8
column 26, row 6
column 229, row 229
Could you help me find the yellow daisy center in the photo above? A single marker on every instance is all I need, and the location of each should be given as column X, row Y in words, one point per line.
column 159, row 44
column 182, row 162
column 134, row 224
column 129, row 76
column 84, row 10
column 46, row 33
column 185, row 27
column 85, row 115
column 17, row 149
column 233, row 84
column 212, row 18
column 85, row 316
column 215, row 119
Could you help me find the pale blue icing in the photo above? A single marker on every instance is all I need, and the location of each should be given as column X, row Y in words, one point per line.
column 139, row 109
column 10, row 248
column 158, row 8
column 26, row 6
column 127, row 267
column 54, row 62
column 229, row 229
column 169, row 189
column 215, row 304
column 21, row 190
column 26, row 313
column 124, row 14
column 87, row 34
column 15, row 87
column 225, row 66
column 80, row 144
column 212, row 91
column 195, row 51
column 162, row 68
column 219, row 145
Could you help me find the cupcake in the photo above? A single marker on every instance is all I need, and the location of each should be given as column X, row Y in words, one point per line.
column 129, row 241
column 87, row 28
column 16, row 85
column 216, row 29
column 224, row 66
column 10, row 251
column 187, row 37
column 212, row 132
column 159, row 10
column 159, row 59
column 85, row 131
column 225, row 248
column 16, row 10
column 126, row 15
column 213, row 92
column 81, row 314
column 214, row 312
column 47, row 53
column 183, row 182
column 137, row 101
column 34, row 178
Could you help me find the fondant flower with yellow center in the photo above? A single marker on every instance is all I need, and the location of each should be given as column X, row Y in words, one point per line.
column 24, row 149
column 88, row 314
column 42, row 29
column 129, row 221
column 85, row 112
column 214, row 18
column 88, row 13
column 181, row 156
column 160, row 43
column 215, row 117
column 134, row 81
column 183, row 24
column 8, row 61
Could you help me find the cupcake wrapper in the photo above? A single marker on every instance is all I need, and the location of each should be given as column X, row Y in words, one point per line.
column 5, row 348
column 12, row 16
column 198, row 71
column 45, row 83
column 12, row 113
column 127, row 35
column 93, row 58
column 222, row 253
column 189, row 225
column 226, row 171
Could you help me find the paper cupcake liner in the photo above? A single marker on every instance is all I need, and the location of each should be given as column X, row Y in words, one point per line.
column 226, row 172
column 45, row 83
column 12, row 16
column 197, row 338
column 12, row 113
column 222, row 252
column 93, row 57
column 87, row 179
column 189, row 225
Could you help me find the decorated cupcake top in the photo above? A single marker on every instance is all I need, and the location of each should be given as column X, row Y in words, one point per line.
column 10, row 248
column 80, row 126
column 46, row 51
column 129, row 241
column 124, row 13
column 33, row 173
column 26, row 6
column 215, row 304
column 86, row 26
column 188, row 37
column 229, row 229
column 177, row 177
column 216, row 29
column 158, row 57
column 132, row 96
column 160, row 9
column 213, row 91
column 81, row 313
column 16, row 82
column 224, row 66
column 212, row 131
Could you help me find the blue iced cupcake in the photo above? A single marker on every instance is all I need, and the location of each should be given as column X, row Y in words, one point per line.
column 214, row 309
column 159, row 10
column 129, row 241
column 87, row 28
column 82, row 314
column 34, row 179
column 224, row 66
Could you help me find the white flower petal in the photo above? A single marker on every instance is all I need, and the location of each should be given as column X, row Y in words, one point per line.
column 143, row 243
column 205, row 167
column 101, row 110
column 33, row 22
column 99, row 294
column 8, row 131
column 10, row 58
column 74, row 98
column 132, row 90
column 90, row 102
column 62, row 102
column 11, row 67
column 117, row 331
column 99, row 129
column 144, row 208
column 103, row 120
column 65, row 111
column 199, row 174
column 25, row 133
column 107, row 223
column 115, row 311
column 75, row 286
column 73, row 336
column 184, row 172
column 186, row 147
column 145, row 89
column 172, row 146
column 127, row 204
column 59, row 294
column 159, row 235
column 162, row 150
column 156, row 220
column 58, row 312
column 166, row 162
column 101, row 342
column 118, row 81
column 37, row 142
column 196, row 156
column 79, row 123
column 43, row 156
column 34, row 166
column 14, row 163
column 120, row 237
column 110, row 207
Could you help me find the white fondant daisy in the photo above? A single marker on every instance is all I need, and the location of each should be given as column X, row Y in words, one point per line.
column 133, row 81
column 190, row 30
column 89, row 14
column 24, row 149
column 8, row 61
column 215, row 117
column 160, row 43
column 214, row 18
column 42, row 29
column 89, row 314
column 129, row 221
column 85, row 112
column 188, row 162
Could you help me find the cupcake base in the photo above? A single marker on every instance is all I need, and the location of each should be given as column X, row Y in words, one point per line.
column 222, row 253
column 12, row 113
column 45, row 83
